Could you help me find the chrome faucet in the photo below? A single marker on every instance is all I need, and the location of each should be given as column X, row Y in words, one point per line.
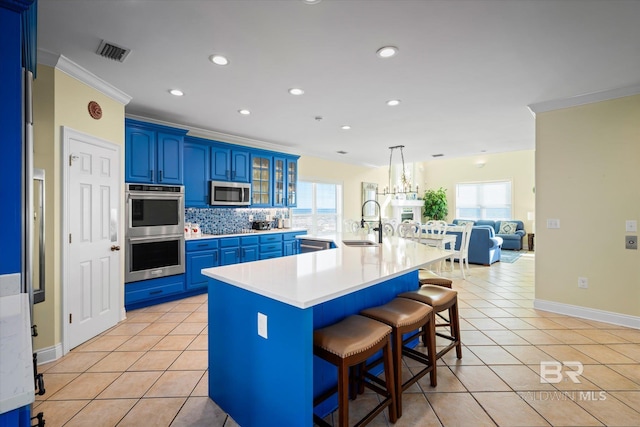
column 379, row 228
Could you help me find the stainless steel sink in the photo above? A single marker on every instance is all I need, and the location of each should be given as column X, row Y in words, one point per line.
column 360, row 243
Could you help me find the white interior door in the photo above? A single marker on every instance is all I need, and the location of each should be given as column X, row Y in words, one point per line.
column 92, row 291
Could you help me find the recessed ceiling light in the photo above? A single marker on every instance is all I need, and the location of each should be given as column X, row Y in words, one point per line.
column 244, row 112
column 296, row 91
column 387, row 51
column 218, row 59
column 393, row 102
column 345, row 127
column 176, row 92
column 312, row 1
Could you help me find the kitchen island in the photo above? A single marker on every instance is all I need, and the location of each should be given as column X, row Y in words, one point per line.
column 262, row 316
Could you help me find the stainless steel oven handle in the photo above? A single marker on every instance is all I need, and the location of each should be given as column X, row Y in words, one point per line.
column 156, row 238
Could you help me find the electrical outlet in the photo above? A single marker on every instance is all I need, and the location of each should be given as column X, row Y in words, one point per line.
column 262, row 325
column 583, row 283
column 250, row 217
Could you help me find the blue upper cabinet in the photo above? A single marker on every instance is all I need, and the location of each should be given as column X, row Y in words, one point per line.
column 196, row 174
column 153, row 153
column 292, row 182
column 279, row 177
column 229, row 164
column 261, row 179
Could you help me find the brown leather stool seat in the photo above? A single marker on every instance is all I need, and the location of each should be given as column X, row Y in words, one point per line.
column 350, row 343
column 441, row 299
column 428, row 277
column 404, row 316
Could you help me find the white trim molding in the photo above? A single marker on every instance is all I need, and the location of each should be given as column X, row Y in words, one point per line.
column 588, row 313
column 69, row 67
column 587, row 98
column 49, row 354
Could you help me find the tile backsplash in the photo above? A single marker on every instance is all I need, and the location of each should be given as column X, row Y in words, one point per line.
column 229, row 220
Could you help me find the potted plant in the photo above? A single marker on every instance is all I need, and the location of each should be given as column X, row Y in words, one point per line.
column 435, row 204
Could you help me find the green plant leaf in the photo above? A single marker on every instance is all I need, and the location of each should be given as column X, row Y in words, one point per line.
column 435, row 204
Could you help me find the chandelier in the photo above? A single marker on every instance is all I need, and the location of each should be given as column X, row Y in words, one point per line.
column 404, row 186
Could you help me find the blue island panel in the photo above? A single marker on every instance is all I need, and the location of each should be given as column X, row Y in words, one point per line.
column 255, row 379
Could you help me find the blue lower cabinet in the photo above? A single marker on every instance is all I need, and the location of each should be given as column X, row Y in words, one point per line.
column 200, row 254
column 249, row 248
column 291, row 245
column 153, row 291
column 20, row 417
column 229, row 250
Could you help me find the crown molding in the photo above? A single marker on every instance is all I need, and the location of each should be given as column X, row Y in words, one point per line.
column 72, row 69
column 217, row 136
column 587, row 98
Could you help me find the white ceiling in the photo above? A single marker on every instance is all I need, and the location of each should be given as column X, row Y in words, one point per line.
column 465, row 72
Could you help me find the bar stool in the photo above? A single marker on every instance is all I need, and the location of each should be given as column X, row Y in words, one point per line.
column 428, row 277
column 350, row 343
column 441, row 299
column 404, row 316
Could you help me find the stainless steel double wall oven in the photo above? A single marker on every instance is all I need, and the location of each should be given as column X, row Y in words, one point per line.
column 154, row 231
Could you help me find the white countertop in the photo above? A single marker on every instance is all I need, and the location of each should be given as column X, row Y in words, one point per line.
column 309, row 279
column 252, row 233
column 17, row 387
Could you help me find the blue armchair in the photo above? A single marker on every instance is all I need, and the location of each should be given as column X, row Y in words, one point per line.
column 484, row 245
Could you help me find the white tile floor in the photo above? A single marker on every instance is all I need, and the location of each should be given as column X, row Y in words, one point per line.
column 151, row 369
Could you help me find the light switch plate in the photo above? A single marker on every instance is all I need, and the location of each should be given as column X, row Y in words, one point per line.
column 553, row 223
column 631, row 242
column 262, row 325
column 631, row 226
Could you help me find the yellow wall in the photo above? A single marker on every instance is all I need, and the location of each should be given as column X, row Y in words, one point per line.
column 61, row 100
column 350, row 176
column 588, row 177
column 516, row 166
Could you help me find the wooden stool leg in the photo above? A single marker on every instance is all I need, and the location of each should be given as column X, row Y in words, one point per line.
column 343, row 395
column 431, row 348
column 455, row 328
column 390, row 382
column 397, row 366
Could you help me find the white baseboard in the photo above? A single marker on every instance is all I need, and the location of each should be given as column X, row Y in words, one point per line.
column 49, row 354
column 588, row 313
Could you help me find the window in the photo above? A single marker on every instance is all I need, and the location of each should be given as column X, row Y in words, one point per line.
column 484, row 200
column 319, row 208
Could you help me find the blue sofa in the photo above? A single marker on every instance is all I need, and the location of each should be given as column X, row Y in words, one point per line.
column 511, row 241
column 484, row 245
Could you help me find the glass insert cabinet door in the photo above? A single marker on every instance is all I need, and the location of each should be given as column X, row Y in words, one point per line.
column 278, row 181
column 292, row 183
column 260, row 191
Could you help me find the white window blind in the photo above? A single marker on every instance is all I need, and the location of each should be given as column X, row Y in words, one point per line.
column 484, row 200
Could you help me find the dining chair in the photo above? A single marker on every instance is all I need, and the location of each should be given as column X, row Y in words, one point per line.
column 409, row 230
column 351, row 225
column 462, row 254
column 388, row 229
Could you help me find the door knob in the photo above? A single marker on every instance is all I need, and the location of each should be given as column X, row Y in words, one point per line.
column 115, row 248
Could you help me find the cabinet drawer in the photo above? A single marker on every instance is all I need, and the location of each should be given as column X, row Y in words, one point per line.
column 229, row 242
column 152, row 289
column 269, row 238
column 249, row 240
column 269, row 255
column 270, row 247
column 202, row 245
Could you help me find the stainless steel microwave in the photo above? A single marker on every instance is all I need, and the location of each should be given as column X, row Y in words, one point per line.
column 229, row 193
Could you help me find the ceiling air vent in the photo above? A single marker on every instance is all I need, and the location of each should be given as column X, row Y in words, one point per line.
column 437, row 155
column 112, row 51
